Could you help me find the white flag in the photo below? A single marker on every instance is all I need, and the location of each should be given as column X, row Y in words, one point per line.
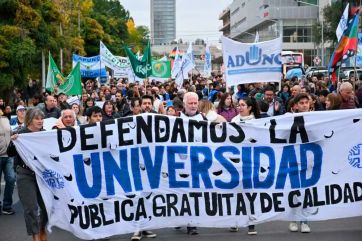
column 342, row 23
column 188, row 62
column 207, row 65
column 176, row 65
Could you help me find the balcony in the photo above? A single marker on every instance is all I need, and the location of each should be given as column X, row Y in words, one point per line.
column 224, row 13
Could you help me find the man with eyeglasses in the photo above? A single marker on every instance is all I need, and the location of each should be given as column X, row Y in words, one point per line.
column 18, row 122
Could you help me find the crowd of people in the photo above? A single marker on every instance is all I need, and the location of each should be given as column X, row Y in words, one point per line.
column 199, row 99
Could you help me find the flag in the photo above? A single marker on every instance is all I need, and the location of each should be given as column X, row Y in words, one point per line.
column 342, row 23
column 183, row 67
column 70, row 85
column 176, row 65
column 207, row 65
column 346, row 47
column 90, row 67
column 188, row 61
column 143, row 67
column 161, row 69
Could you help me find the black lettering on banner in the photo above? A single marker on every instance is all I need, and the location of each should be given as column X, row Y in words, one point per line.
column 84, row 222
column 95, row 219
column 336, row 194
column 171, row 204
column 166, row 135
column 251, row 198
column 348, row 195
column 104, row 218
column 298, row 127
column 73, row 137
column 124, row 208
column 308, row 199
column 185, row 206
column 316, row 201
column 211, row 203
column 266, row 202
column 196, row 196
column 240, row 204
column 357, row 194
column 291, row 199
column 197, row 124
column 219, row 202
column 328, row 195
column 240, row 138
column 141, row 210
column 159, row 211
column 227, row 197
column 117, row 216
column 121, row 131
column 277, row 203
column 73, row 213
column 214, row 137
column 145, row 127
column 105, row 132
column 273, row 139
column 84, row 137
column 178, row 131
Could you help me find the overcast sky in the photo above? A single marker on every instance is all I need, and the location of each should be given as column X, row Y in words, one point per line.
column 194, row 18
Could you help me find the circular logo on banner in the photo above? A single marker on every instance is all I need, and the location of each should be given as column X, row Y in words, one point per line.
column 355, row 156
column 53, row 179
column 160, row 68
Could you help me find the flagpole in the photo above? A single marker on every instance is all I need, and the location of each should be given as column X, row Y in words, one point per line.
column 100, row 68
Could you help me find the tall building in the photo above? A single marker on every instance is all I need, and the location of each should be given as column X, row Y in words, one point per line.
column 163, row 21
column 293, row 20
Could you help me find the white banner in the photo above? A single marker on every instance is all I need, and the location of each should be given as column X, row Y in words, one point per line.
column 252, row 62
column 119, row 65
column 150, row 171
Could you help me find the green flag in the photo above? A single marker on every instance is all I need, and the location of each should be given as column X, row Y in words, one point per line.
column 70, row 85
column 142, row 68
column 161, row 69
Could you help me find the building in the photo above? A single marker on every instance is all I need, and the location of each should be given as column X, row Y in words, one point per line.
column 291, row 19
column 163, row 21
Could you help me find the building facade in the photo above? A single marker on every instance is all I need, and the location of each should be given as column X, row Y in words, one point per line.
column 163, row 21
column 293, row 20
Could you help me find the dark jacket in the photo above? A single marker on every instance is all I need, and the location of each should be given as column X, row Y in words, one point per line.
column 54, row 112
column 12, row 152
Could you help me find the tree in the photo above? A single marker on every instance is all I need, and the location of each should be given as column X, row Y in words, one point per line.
column 30, row 28
column 331, row 15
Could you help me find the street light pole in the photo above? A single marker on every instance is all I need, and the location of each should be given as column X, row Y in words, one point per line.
column 322, row 23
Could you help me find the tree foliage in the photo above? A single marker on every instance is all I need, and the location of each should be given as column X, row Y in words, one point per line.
column 331, row 15
column 29, row 28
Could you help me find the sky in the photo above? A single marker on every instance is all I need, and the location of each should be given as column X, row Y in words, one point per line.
column 194, row 18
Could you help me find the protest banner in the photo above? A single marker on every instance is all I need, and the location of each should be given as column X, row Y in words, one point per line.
column 151, row 171
column 252, row 62
column 90, row 67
